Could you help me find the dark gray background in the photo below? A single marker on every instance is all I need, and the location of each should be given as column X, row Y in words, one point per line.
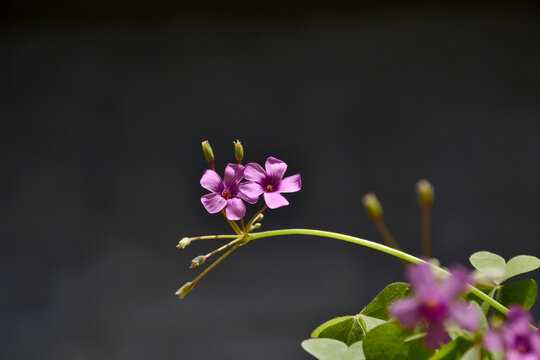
column 103, row 114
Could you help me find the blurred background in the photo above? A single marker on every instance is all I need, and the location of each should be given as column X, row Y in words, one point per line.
column 104, row 106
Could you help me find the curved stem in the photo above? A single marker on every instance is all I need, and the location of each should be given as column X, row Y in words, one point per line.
column 386, row 249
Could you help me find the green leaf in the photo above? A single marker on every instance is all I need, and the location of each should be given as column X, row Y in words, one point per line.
column 378, row 308
column 369, row 322
column 473, row 353
column 522, row 293
column 453, row 350
column 520, row 265
column 329, row 349
column 485, row 260
column 346, row 329
column 417, row 350
column 386, row 342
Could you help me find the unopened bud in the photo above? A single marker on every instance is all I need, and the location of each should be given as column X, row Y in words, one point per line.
column 238, row 151
column 372, row 205
column 256, row 226
column 259, row 217
column 183, row 243
column 199, row 260
column 424, row 191
column 184, row 290
column 207, row 151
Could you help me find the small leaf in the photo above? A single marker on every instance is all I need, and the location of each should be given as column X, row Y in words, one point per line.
column 378, row 308
column 485, row 260
column 520, row 265
column 369, row 322
column 329, row 349
column 355, row 352
column 386, row 342
column 522, row 293
column 345, row 328
column 324, row 349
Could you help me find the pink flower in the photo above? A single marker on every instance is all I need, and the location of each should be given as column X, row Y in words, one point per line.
column 270, row 183
column 435, row 303
column 516, row 338
column 227, row 194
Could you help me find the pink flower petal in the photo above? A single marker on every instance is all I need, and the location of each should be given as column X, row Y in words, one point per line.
column 254, row 172
column 250, row 192
column 420, row 277
column 235, row 209
column 233, row 174
column 275, row 168
column 406, row 311
column 436, row 335
column 465, row 315
column 290, row 184
column 457, row 282
column 274, row 200
column 493, row 341
column 213, row 203
column 210, row 180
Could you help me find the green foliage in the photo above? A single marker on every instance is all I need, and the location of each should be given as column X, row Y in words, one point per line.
column 453, row 350
column 353, row 328
column 520, row 265
column 485, row 260
column 346, row 329
column 522, row 293
column 330, row 349
column 378, row 308
column 387, row 342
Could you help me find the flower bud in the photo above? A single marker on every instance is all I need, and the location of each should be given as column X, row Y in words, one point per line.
column 238, row 151
column 186, row 288
column 424, row 191
column 256, row 226
column 183, row 243
column 372, row 205
column 207, row 151
column 259, row 217
column 199, row 260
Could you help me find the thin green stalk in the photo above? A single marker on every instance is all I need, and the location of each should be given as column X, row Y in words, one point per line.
column 386, row 249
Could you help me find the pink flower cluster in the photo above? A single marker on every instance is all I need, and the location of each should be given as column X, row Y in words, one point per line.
column 230, row 193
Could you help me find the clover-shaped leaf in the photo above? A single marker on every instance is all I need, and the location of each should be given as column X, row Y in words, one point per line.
column 485, row 261
column 520, row 265
column 330, row 349
column 378, row 308
column 346, row 329
column 385, row 342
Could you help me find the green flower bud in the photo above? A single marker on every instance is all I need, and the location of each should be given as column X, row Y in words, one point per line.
column 207, row 151
column 256, row 226
column 259, row 217
column 424, row 191
column 199, row 260
column 372, row 205
column 184, row 290
column 183, row 243
column 238, row 151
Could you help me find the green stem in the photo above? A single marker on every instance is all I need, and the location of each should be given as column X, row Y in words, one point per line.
column 386, row 249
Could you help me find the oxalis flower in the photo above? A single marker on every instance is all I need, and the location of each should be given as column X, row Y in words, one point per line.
column 270, row 182
column 435, row 302
column 227, row 194
column 515, row 338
